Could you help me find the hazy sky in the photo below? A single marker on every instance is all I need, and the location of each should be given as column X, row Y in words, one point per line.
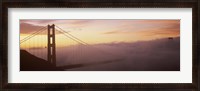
column 103, row 31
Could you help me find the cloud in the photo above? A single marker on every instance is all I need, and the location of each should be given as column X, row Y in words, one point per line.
column 158, row 21
column 111, row 32
column 160, row 54
column 154, row 55
column 46, row 21
column 36, row 48
column 38, row 22
column 26, row 28
column 116, row 32
column 69, row 22
column 170, row 30
column 147, row 27
column 76, row 22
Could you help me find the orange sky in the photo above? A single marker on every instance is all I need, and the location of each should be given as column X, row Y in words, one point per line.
column 100, row 31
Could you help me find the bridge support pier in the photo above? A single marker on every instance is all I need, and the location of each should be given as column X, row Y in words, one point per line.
column 51, row 50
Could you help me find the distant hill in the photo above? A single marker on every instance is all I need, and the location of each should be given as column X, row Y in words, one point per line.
column 29, row 62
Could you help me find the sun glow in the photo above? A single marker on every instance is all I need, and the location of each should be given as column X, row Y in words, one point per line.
column 99, row 31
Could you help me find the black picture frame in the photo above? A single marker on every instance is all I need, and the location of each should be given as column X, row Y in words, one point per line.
column 194, row 4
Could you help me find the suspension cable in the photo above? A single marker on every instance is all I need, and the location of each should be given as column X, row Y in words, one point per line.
column 72, row 36
column 32, row 35
column 80, row 41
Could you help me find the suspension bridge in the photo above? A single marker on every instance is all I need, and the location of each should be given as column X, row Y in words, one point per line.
column 35, row 44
